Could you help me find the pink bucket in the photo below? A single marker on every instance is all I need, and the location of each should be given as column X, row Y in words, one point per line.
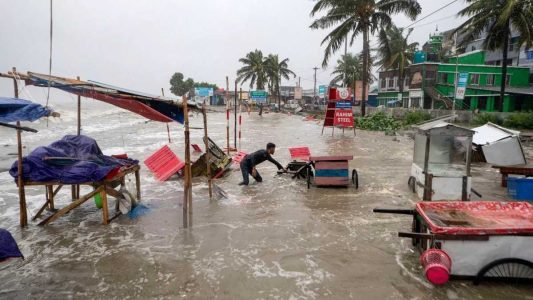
column 437, row 265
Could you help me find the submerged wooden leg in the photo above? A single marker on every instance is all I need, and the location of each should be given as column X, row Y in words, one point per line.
column 105, row 210
column 50, row 197
column 138, row 184
column 73, row 205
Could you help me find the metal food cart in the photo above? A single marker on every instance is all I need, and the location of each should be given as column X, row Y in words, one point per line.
column 482, row 240
column 441, row 162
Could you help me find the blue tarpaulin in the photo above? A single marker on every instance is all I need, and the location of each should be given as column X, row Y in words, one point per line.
column 71, row 160
column 8, row 246
column 13, row 110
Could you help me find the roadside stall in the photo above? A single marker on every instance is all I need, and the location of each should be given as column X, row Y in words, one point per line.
column 480, row 240
column 441, row 162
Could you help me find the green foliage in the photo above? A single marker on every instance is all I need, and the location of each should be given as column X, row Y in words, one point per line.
column 180, row 87
column 521, row 120
column 416, row 117
column 484, row 118
column 348, row 69
column 379, row 122
column 262, row 71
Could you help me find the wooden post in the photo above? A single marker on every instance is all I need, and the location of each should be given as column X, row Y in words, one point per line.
column 168, row 128
column 20, row 182
column 187, row 171
column 427, row 180
column 235, row 118
column 227, row 113
column 240, row 118
column 207, row 154
column 79, row 111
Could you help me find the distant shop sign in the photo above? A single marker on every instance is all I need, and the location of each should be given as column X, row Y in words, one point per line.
column 322, row 90
column 259, row 96
column 203, row 91
column 461, row 86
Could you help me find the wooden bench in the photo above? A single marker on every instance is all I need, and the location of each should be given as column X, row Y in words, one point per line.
column 526, row 170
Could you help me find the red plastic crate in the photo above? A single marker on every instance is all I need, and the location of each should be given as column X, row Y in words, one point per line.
column 164, row 163
column 302, row 153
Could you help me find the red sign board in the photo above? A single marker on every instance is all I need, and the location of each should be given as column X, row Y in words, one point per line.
column 340, row 94
column 343, row 115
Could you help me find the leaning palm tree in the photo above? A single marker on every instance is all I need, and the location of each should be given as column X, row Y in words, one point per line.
column 497, row 17
column 276, row 70
column 254, row 70
column 349, row 68
column 354, row 17
column 395, row 52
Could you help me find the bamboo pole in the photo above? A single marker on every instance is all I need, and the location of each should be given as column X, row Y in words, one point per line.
column 207, row 154
column 20, row 182
column 187, row 170
column 76, row 188
column 168, row 127
column 240, row 119
column 227, row 113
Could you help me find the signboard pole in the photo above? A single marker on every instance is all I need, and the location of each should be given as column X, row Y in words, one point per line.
column 235, row 115
column 227, row 113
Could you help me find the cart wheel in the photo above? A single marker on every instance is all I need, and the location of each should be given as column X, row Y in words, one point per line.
column 308, row 175
column 355, row 179
column 513, row 269
column 412, row 183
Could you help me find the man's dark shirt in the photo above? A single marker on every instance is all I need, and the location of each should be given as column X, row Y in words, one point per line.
column 260, row 156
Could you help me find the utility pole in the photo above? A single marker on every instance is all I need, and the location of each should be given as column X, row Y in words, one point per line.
column 314, row 88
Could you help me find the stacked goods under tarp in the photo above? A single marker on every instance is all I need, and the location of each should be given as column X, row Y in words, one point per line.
column 219, row 162
column 71, row 160
column 156, row 108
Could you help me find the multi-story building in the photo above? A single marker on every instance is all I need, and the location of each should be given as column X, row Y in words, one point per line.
column 432, row 85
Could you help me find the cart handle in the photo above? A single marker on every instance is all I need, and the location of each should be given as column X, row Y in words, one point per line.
column 397, row 211
column 429, row 236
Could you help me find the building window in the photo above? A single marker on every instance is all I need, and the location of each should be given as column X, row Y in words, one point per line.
column 396, row 82
column 383, row 83
column 529, row 55
column 406, row 82
column 482, row 103
column 509, row 61
column 443, row 78
column 473, row 48
column 508, row 79
column 490, row 79
column 511, row 47
column 391, row 82
column 474, row 79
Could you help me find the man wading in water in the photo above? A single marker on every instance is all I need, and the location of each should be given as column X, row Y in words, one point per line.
column 250, row 161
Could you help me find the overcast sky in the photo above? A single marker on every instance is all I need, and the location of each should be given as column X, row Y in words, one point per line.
column 140, row 44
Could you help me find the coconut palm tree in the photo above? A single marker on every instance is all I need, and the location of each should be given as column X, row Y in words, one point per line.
column 395, row 52
column 353, row 17
column 497, row 17
column 349, row 68
column 254, row 70
column 276, row 70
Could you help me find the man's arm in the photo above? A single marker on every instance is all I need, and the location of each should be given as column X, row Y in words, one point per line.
column 272, row 160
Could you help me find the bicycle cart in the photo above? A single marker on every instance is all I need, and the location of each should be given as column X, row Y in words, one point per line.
column 481, row 240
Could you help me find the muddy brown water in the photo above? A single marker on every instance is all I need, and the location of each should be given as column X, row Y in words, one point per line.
column 273, row 240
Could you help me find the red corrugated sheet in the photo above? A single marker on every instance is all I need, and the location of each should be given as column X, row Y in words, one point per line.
column 302, row 153
column 164, row 163
column 478, row 217
column 238, row 157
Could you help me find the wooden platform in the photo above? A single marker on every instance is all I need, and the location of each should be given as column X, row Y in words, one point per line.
column 526, row 170
column 105, row 188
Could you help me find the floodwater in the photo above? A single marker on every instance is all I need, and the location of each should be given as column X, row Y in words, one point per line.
column 273, row 240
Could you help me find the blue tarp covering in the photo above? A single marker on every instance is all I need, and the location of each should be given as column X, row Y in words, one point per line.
column 13, row 110
column 71, row 160
column 8, row 246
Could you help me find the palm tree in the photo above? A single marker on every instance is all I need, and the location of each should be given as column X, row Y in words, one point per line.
column 354, row 17
column 254, row 70
column 496, row 17
column 349, row 68
column 394, row 52
column 276, row 70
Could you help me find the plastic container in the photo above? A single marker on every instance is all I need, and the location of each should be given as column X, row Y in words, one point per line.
column 437, row 265
column 520, row 188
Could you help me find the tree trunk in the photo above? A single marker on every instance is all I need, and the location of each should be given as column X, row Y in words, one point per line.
column 365, row 69
column 499, row 104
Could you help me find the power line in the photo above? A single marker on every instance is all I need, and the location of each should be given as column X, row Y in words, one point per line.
column 432, row 13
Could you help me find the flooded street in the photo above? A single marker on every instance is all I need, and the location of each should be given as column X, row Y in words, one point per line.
column 270, row 240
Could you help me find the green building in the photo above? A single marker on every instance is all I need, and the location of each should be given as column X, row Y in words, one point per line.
column 432, row 85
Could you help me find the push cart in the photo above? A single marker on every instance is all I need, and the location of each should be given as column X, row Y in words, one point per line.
column 480, row 240
column 325, row 171
column 441, row 162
